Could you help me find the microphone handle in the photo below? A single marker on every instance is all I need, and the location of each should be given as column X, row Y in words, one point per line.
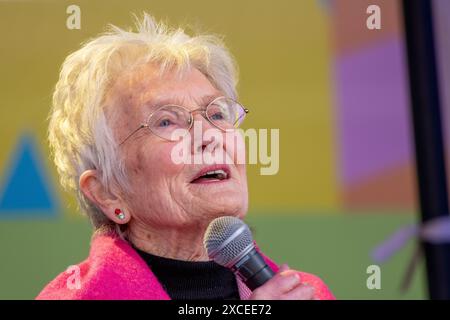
column 253, row 270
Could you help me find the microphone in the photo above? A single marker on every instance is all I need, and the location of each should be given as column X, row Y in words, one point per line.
column 229, row 242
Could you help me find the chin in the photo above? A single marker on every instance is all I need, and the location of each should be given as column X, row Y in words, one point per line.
column 239, row 210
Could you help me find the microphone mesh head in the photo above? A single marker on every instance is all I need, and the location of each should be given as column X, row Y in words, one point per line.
column 226, row 238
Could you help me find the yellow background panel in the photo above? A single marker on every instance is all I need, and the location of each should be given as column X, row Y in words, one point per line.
column 282, row 48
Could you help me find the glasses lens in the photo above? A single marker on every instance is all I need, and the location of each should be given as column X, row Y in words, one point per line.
column 166, row 120
column 226, row 113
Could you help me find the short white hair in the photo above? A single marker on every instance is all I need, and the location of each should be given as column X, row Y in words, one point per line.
column 78, row 133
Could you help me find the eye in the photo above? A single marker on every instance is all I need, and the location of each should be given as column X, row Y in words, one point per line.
column 218, row 116
column 218, row 113
column 164, row 123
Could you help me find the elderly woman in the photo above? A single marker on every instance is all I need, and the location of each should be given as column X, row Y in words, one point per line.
column 116, row 107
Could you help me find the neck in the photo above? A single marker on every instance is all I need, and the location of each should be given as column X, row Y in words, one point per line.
column 180, row 244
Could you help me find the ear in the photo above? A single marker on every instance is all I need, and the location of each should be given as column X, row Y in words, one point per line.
column 92, row 187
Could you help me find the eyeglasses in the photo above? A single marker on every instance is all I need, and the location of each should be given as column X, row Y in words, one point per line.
column 223, row 113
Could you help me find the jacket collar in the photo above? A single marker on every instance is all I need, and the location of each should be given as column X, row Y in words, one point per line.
column 114, row 270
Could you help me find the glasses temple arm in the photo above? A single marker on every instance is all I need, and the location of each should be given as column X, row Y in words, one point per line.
column 242, row 115
column 129, row 136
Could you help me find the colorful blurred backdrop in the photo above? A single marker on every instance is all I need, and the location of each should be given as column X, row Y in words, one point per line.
column 337, row 91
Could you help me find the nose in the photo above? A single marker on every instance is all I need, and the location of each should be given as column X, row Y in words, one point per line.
column 204, row 133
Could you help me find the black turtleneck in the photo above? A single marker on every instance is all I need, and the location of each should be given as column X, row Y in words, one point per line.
column 188, row 280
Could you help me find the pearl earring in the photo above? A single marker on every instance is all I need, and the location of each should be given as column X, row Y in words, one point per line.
column 119, row 214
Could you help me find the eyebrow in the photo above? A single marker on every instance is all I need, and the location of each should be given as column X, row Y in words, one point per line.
column 156, row 103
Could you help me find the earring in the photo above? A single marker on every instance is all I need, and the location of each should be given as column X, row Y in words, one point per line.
column 119, row 214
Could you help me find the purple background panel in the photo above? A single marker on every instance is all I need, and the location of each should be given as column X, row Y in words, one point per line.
column 373, row 119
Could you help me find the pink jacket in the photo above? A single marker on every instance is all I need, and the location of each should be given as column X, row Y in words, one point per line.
column 114, row 270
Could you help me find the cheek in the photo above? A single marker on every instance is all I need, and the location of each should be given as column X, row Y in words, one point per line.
column 240, row 151
column 153, row 163
column 243, row 173
column 235, row 148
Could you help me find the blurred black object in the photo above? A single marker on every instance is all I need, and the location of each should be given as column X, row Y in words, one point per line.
column 426, row 117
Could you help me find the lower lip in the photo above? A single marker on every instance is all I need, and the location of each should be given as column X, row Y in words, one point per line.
column 209, row 181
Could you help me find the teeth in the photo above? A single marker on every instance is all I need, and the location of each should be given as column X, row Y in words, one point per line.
column 222, row 174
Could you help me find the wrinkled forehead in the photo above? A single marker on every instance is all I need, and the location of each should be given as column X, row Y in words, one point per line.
column 139, row 92
column 146, row 89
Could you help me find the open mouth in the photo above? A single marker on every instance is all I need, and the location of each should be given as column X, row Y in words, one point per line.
column 212, row 176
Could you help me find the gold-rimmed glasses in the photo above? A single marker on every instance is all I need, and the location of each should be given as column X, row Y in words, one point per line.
column 222, row 112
